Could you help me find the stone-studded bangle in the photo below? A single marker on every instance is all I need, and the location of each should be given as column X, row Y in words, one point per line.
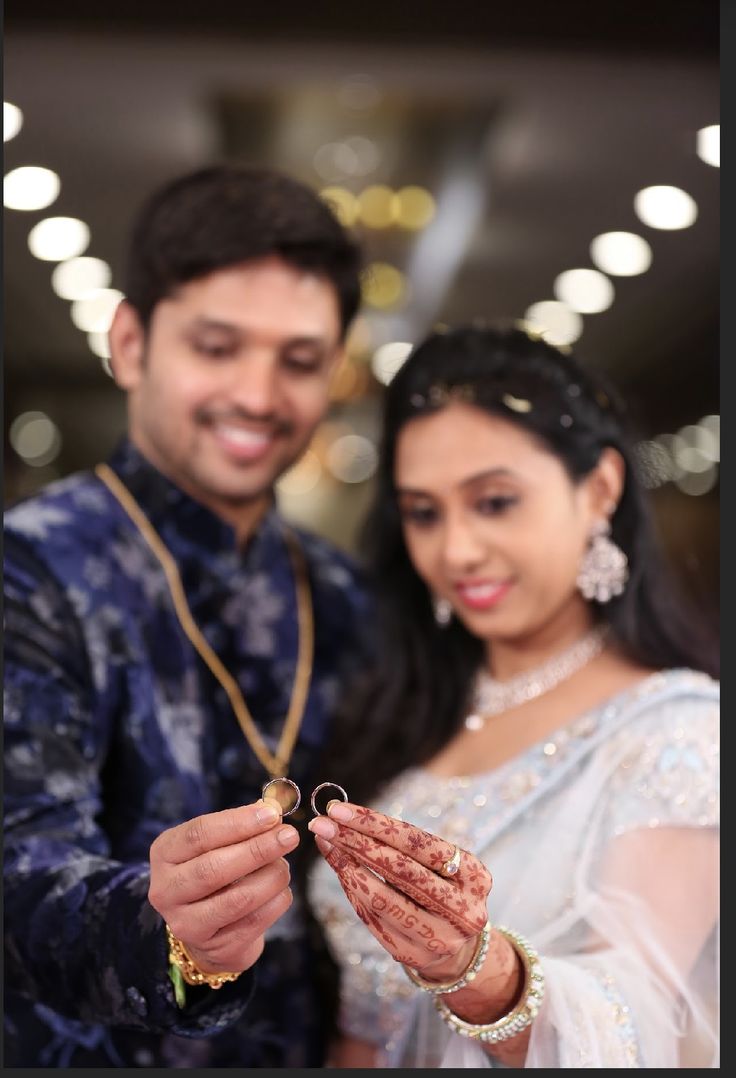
column 522, row 1015
column 190, row 971
column 474, row 965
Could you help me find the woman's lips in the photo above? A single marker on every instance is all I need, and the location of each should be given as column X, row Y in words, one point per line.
column 482, row 595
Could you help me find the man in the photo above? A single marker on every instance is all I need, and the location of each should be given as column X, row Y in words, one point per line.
column 170, row 646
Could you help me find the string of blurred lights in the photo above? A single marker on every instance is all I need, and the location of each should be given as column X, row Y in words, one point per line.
column 689, row 458
column 82, row 280
column 588, row 291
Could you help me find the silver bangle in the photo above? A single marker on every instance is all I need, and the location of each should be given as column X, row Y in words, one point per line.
column 437, row 989
column 525, row 1011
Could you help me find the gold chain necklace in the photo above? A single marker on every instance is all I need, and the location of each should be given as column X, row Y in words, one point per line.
column 276, row 764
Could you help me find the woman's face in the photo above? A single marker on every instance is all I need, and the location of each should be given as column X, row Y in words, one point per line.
column 492, row 521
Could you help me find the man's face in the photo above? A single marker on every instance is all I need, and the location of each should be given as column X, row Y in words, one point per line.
column 228, row 385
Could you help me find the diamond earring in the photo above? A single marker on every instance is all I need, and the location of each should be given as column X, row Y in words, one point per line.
column 604, row 569
column 442, row 611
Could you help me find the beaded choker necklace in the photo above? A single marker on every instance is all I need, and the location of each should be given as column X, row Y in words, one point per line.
column 491, row 697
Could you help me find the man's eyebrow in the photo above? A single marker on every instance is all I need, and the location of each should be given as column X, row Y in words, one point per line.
column 217, row 325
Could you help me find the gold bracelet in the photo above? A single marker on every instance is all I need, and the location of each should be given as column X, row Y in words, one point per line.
column 190, row 971
column 465, row 978
column 525, row 1011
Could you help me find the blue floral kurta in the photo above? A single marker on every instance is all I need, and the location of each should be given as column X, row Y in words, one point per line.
column 116, row 730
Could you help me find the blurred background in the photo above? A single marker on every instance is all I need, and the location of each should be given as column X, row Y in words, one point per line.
column 557, row 163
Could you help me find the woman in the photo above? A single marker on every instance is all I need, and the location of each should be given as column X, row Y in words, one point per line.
column 540, row 711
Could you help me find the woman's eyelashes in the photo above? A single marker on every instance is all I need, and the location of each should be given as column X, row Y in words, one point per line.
column 425, row 514
column 496, row 504
column 421, row 516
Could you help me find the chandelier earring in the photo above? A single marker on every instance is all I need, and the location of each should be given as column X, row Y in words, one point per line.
column 604, row 568
column 442, row 611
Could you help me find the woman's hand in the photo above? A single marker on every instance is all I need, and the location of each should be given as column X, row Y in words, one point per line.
column 391, row 873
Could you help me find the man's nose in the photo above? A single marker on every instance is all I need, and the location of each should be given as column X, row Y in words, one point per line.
column 255, row 385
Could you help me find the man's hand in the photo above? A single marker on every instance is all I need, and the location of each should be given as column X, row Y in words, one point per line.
column 220, row 880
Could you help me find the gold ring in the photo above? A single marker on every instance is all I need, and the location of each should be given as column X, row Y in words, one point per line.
column 452, row 864
column 323, row 786
column 294, row 787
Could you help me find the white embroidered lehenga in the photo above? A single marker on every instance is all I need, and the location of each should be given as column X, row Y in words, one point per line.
column 565, row 828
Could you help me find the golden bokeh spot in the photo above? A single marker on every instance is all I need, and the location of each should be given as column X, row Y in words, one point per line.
column 383, row 285
column 415, row 207
column 377, row 206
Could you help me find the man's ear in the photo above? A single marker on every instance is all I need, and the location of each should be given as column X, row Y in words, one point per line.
column 127, row 346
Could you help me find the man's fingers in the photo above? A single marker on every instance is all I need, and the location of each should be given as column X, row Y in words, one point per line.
column 213, row 830
column 217, row 869
column 198, row 923
column 239, row 944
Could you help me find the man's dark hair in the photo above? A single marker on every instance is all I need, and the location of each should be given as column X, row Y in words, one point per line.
column 224, row 215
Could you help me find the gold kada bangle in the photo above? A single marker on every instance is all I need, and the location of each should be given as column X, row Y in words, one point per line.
column 190, row 971
column 525, row 1011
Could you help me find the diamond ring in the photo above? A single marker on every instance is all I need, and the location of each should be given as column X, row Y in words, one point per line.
column 452, row 864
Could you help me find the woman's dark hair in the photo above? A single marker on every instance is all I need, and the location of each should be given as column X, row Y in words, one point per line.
column 416, row 689
column 227, row 214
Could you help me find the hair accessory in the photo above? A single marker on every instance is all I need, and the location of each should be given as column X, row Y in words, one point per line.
column 604, row 568
column 190, row 972
column 440, row 394
column 275, row 764
column 287, row 782
column 516, row 404
column 437, row 989
column 491, row 697
column 322, row 786
column 525, row 1011
column 443, row 611
column 452, row 865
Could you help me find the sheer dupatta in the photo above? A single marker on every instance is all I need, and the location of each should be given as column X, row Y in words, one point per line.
column 614, row 878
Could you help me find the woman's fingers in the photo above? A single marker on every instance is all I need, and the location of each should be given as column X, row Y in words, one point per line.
column 410, row 933
column 429, row 850
column 428, row 890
